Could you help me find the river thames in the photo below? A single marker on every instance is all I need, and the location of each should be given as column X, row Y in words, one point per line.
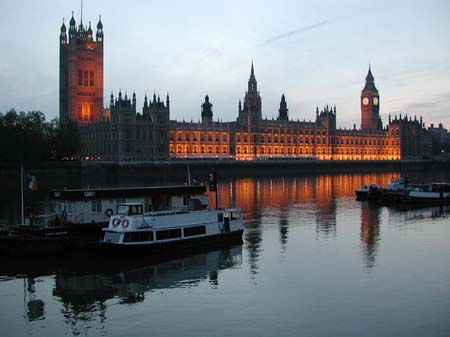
column 314, row 262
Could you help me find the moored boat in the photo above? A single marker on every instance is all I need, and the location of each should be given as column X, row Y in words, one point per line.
column 434, row 194
column 369, row 192
column 132, row 230
column 79, row 216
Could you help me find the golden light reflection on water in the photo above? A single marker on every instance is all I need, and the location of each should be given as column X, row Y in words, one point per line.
column 315, row 197
column 280, row 192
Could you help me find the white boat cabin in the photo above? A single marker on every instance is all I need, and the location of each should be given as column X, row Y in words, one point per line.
column 132, row 225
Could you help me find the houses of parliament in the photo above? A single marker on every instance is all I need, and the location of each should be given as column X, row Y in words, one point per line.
column 122, row 133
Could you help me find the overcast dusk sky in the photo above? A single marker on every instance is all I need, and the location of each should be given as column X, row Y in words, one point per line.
column 316, row 52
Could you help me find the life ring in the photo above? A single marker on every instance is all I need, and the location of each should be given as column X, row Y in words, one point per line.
column 109, row 212
column 116, row 222
column 125, row 223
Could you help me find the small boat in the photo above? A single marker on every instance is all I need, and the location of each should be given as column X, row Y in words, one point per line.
column 132, row 230
column 369, row 192
column 434, row 194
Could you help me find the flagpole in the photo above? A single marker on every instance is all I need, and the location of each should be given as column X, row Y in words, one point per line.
column 217, row 199
column 21, row 195
column 189, row 176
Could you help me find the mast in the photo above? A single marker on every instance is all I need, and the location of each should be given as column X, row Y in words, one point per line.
column 21, row 195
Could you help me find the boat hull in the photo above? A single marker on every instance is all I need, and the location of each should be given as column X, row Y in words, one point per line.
column 28, row 241
column 169, row 247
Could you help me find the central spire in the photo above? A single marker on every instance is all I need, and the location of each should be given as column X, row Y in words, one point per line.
column 252, row 84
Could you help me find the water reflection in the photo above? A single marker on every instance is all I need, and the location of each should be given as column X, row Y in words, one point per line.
column 412, row 217
column 370, row 232
column 35, row 307
column 305, row 199
column 299, row 233
column 284, row 230
column 85, row 295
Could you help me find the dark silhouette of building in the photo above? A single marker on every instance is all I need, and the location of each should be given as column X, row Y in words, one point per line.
column 207, row 113
column 251, row 113
column 125, row 135
column 283, row 111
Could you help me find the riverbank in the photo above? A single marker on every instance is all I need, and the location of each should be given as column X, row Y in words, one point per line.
column 74, row 174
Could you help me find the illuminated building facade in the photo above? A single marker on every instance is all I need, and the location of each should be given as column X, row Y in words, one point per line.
column 251, row 137
column 120, row 133
column 80, row 73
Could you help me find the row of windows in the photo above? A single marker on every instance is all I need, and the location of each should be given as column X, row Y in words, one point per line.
column 203, row 149
column 288, row 131
column 319, row 150
column 312, row 140
column 195, row 138
column 164, row 234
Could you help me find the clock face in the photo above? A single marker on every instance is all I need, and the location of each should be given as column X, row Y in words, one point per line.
column 365, row 101
column 375, row 101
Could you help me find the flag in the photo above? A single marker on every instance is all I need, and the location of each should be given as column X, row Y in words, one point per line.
column 33, row 184
column 212, row 181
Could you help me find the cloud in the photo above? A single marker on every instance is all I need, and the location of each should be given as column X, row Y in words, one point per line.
column 295, row 32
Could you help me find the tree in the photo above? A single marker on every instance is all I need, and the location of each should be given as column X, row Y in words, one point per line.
column 28, row 137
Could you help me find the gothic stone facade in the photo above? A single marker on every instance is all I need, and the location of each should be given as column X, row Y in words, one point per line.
column 120, row 133
column 80, row 73
column 125, row 135
column 252, row 137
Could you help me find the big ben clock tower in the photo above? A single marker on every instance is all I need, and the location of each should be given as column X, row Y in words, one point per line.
column 370, row 105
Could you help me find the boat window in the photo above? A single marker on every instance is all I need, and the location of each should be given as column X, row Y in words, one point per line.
column 135, row 210
column 162, row 235
column 197, row 230
column 96, row 206
column 122, row 209
column 220, row 217
column 168, row 234
column 129, row 209
column 236, row 215
column 175, row 233
column 138, row 236
column 65, row 206
column 112, row 236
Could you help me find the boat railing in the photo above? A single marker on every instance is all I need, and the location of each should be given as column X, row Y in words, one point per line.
column 42, row 220
column 168, row 212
